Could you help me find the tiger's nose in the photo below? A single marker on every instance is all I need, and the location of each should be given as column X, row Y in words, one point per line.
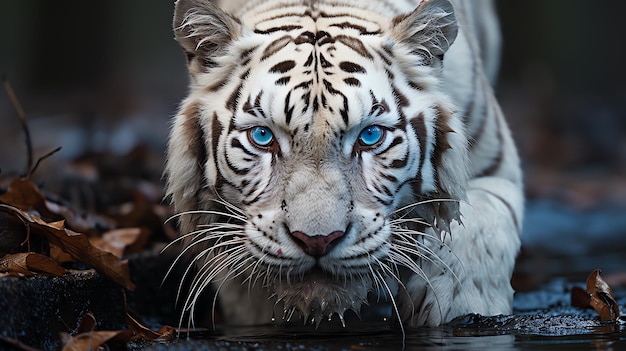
column 317, row 245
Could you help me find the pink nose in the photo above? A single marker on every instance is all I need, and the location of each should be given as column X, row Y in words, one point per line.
column 317, row 245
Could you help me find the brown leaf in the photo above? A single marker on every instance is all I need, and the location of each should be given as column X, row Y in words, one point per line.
column 87, row 323
column 57, row 254
column 142, row 332
column 78, row 246
column 122, row 242
column 24, row 195
column 602, row 297
column 86, row 223
column 87, row 339
column 29, row 263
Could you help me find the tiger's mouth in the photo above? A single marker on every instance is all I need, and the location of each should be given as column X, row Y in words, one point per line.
column 319, row 295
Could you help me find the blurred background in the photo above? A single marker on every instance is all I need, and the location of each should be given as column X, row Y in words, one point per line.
column 102, row 80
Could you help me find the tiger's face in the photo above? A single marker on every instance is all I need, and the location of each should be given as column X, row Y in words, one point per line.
column 306, row 145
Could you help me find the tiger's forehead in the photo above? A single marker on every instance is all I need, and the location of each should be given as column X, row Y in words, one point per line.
column 315, row 67
column 314, row 16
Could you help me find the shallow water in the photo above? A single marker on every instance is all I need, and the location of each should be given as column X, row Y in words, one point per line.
column 554, row 325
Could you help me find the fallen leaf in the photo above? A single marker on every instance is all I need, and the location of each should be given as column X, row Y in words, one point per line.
column 87, row 323
column 57, row 254
column 602, row 297
column 87, row 339
column 76, row 245
column 86, row 223
column 121, row 242
column 23, row 194
column 29, row 263
column 140, row 331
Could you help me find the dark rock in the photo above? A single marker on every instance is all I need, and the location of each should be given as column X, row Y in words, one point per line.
column 36, row 309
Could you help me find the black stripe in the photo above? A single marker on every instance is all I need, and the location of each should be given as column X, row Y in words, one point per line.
column 306, row 38
column 285, row 28
column 401, row 99
column 216, row 131
column 282, row 81
column 354, row 44
column 352, row 82
column 304, row 85
column 237, row 170
column 309, row 60
column 246, row 55
column 389, row 177
column 288, row 110
column 276, row 46
column 233, row 100
column 323, row 38
column 362, row 30
column 333, row 91
column 351, row 67
column 384, row 57
column 306, row 98
column 283, row 67
column 419, row 127
column 442, row 128
column 324, row 63
column 236, row 144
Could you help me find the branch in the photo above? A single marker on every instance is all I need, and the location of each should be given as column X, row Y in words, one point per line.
column 20, row 112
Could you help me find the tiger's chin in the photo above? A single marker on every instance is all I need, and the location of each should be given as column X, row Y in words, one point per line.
column 319, row 295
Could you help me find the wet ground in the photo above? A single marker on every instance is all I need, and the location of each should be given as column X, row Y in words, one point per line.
column 543, row 320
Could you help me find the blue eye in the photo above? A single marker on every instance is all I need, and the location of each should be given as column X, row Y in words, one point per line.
column 371, row 136
column 261, row 136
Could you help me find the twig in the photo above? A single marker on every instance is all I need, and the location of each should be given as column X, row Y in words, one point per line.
column 20, row 112
column 32, row 171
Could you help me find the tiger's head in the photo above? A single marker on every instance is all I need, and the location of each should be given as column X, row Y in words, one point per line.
column 313, row 145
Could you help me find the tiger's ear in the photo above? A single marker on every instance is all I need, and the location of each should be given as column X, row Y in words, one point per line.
column 427, row 31
column 204, row 32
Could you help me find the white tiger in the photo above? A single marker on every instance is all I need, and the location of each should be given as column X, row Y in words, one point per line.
column 329, row 149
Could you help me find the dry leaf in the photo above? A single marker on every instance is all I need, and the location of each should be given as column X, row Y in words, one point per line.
column 121, row 242
column 77, row 245
column 86, row 223
column 140, row 331
column 87, row 339
column 57, row 254
column 24, row 195
column 87, row 323
column 602, row 297
column 29, row 263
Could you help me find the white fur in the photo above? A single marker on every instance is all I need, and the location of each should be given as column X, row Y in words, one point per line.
column 472, row 210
